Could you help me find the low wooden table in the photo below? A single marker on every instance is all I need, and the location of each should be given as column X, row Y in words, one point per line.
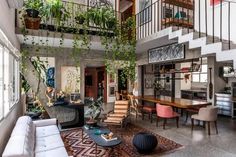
column 99, row 141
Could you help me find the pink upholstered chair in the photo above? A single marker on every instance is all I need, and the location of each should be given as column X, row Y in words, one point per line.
column 206, row 114
column 166, row 112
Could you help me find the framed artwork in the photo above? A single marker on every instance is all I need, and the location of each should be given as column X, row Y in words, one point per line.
column 148, row 82
column 111, row 79
column 112, row 91
column 70, row 79
column 166, row 53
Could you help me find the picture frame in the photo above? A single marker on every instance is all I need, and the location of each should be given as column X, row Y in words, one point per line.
column 111, row 91
column 148, row 82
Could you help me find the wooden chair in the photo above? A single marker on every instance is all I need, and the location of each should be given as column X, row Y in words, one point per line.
column 135, row 108
column 124, row 94
column 119, row 115
column 149, row 110
column 206, row 114
column 117, row 95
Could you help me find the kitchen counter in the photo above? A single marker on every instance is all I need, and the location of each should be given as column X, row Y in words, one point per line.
column 194, row 94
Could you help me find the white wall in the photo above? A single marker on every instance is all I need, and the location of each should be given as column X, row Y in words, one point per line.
column 217, row 19
column 7, row 25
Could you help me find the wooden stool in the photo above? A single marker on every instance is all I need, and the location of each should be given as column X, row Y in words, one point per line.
column 150, row 110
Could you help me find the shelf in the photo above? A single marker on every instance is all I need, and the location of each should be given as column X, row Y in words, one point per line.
column 180, row 3
column 177, row 22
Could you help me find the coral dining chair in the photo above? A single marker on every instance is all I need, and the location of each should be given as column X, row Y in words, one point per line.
column 166, row 112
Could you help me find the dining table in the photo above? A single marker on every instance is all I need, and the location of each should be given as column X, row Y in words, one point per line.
column 174, row 102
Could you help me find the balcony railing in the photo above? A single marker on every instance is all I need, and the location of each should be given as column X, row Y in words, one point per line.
column 165, row 13
column 212, row 19
column 70, row 24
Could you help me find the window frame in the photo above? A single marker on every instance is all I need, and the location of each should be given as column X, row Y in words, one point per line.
column 199, row 73
column 9, row 55
column 2, row 83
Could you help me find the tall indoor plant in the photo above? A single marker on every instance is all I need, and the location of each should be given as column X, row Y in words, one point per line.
column 94, row 110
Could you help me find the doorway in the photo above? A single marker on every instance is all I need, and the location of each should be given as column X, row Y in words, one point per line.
column 96, row 83
column 122, row 85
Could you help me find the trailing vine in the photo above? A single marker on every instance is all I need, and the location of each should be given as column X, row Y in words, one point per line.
column 118, row 39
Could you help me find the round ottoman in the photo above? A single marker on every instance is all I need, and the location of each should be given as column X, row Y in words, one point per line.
column 145, row 142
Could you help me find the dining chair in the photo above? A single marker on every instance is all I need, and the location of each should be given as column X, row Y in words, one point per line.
column 166, row 112
column 117, row 95
column 206, row 114
column 135, row 108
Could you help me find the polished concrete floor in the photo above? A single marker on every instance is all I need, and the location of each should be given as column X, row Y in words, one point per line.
column 197, row 143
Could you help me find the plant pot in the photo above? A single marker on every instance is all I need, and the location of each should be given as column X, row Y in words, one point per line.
column 91, row 123
column 32, row 23
column 110, row 24
column 32, row 13
column 80, row 20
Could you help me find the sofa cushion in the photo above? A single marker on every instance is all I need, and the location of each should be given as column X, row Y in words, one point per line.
column 18, row 146
column 58, row 152
column 48, row 143
column 24, row 119
column 46, row 131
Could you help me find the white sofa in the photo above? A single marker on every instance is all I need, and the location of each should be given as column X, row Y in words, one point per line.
column 35, row 139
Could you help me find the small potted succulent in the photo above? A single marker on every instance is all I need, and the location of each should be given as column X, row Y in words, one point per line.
column 94, row 111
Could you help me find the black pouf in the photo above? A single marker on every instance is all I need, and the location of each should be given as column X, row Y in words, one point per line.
column 145, row 142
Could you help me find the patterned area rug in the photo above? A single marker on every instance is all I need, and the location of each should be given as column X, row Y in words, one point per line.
column 73, row 142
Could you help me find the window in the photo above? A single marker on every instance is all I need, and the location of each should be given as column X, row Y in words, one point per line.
column 200, row 76
column 9, row 77
column 1, row 83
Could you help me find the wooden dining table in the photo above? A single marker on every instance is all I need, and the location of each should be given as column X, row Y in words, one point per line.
column 174, row 102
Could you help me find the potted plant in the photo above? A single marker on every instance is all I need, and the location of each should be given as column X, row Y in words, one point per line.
column 109, row 18
column 56, row 10
column 36, row 110
column 33, row 8
column 94, row 111
column 80, row 18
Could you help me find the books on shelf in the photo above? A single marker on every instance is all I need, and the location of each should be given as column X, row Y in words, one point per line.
column 107, row 138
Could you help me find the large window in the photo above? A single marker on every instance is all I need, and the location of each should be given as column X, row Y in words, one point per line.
column 9, row 78
column 200, row 76
column 1, row 83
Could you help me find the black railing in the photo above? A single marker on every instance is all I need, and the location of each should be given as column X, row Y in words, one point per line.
column 165, row 13
column 69, row 24
column 211, row 19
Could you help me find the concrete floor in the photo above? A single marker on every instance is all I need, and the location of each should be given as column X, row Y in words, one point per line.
column 197, row 143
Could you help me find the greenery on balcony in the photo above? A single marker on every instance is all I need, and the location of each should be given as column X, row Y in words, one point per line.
column 118, row 38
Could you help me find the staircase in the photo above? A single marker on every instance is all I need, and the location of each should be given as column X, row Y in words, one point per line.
column 61, row 113
column 219, row 48
column 198, row 24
